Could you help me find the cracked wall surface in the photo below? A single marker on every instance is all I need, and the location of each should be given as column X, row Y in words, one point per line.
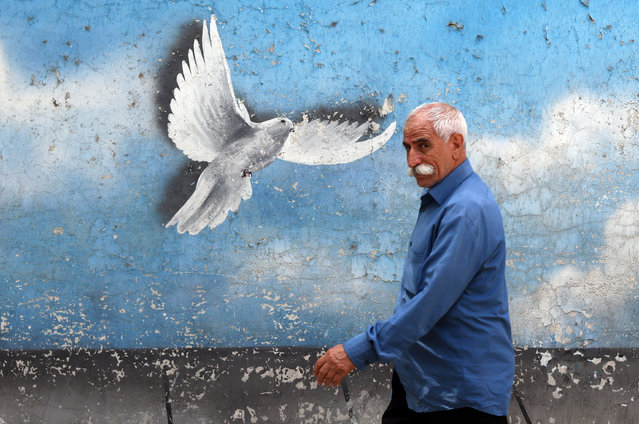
column 89, row 179
column 89, row 176
column 256, row 385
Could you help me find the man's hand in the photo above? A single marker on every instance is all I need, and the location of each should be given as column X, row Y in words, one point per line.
column 333, row 366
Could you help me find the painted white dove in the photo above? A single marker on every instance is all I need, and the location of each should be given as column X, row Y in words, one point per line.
column 209, row 124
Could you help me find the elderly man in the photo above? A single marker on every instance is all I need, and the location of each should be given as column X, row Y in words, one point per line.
column 449, row 337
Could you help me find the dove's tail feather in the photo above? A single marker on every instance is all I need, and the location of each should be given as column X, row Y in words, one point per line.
column 217, row 192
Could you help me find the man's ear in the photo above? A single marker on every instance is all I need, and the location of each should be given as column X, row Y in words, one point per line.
column 457, row 143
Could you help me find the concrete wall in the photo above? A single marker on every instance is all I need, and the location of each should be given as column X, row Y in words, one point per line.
column 90, row 176
column 256, row 385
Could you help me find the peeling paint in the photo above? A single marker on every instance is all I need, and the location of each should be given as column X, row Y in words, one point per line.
column 89, row 180
column 276, row 385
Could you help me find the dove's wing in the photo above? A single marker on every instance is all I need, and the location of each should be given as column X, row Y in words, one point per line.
column 322, row 142
column 204, row 110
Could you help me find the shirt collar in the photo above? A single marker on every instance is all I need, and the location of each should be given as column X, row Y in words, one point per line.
column 440, row 191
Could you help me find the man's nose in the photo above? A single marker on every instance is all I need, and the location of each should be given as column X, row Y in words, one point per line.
column 413, row 159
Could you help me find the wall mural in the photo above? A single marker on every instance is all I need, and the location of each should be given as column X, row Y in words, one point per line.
column 209, row 124
column 90, row 177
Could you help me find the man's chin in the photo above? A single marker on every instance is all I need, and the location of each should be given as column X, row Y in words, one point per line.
column 425, row 180
column 422, row 180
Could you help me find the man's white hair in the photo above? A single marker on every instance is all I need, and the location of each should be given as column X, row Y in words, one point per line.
column 446, row 119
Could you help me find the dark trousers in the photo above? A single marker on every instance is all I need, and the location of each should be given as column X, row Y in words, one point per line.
column 398, row 412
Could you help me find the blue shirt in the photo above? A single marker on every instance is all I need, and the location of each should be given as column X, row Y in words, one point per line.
column 449, row 337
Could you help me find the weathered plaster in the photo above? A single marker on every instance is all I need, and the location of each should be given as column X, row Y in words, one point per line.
column 249, row 385
column 90, row 176
column 577, row 184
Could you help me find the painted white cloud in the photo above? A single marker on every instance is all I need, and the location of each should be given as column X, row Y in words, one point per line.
column 571, row 303
column 74, row 126
column 560, row 187
column 578, row 136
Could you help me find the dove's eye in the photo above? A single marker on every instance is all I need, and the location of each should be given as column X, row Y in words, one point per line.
column 282, row 121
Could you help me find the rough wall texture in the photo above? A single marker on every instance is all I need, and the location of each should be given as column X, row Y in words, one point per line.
column 256, row 385
column 90, row 177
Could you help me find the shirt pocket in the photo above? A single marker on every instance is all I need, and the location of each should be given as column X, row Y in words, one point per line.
column 423, row 237
column 413, row 278
column 419, row 247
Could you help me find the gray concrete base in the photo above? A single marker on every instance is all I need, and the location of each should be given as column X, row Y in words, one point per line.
column 255, row 385
column 578, row 385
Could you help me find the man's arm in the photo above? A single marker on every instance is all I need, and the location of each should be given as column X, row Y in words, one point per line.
column 450, row 266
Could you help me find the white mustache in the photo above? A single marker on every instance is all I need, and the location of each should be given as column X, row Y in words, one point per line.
column 421, row 169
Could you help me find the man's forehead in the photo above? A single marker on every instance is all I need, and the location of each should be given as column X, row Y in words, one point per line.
column 421, row 117
column 417, row 125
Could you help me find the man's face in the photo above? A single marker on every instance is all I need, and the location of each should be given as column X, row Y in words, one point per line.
column 424, row 147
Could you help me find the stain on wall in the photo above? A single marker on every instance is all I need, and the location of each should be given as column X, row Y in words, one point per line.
column 90, row 176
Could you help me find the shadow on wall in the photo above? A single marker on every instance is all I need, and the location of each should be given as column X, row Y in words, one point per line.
column 172, row 60
column 182, row 185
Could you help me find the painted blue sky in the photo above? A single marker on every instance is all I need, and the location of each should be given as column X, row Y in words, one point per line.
column 90, row 175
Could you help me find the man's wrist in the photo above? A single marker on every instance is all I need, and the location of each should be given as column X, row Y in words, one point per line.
column 360, row 350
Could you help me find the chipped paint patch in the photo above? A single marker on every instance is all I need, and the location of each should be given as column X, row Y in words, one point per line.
column 5, row 326
column 388, row 106
column 545, row 358
column 602, row 383
column 609, row 367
